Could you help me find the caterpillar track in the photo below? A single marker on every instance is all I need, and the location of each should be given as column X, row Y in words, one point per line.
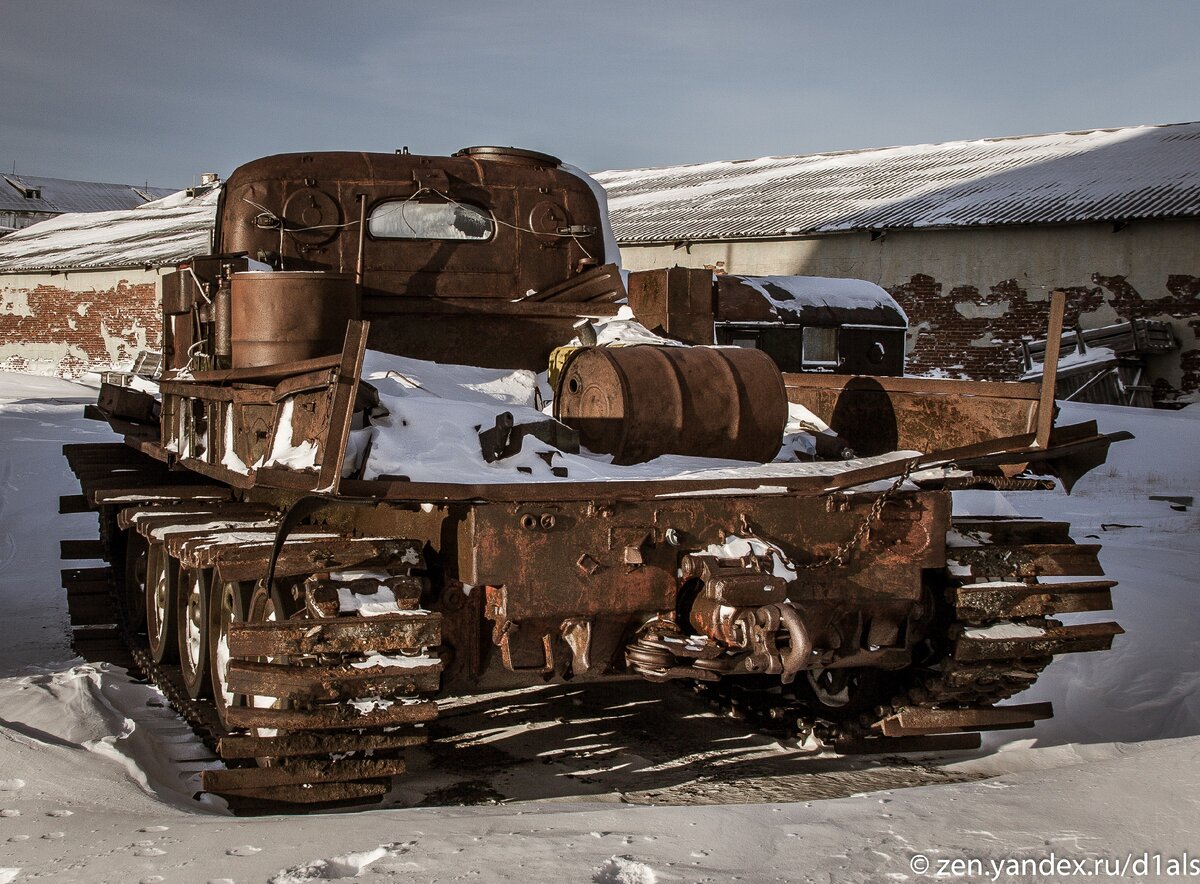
column 316, row 705
column 992, row 634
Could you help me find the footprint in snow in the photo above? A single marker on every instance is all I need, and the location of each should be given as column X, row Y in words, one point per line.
column 60, row 813
column 154, row 829
column 244, row 850
column 9, row 812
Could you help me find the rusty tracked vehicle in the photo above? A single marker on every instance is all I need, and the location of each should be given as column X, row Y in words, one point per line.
column 306, row 612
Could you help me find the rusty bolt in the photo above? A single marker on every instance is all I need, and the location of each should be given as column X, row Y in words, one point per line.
column 547, row 521
column 529, row 521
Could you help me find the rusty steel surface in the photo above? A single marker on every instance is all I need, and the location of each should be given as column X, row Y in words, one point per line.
column 241, row 746
column 333, row 716
column 325, row 683
column 876, row 415
column 343, row 635
column 995, row 601
column 331, row 612
column 288, row 773
column 918, row 721
column 1054, row 640
column 430, row 298
column 640, row 402
column 288, row 317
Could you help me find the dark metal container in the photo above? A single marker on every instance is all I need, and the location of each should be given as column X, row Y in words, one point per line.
column 289, row 316
column 640, row 402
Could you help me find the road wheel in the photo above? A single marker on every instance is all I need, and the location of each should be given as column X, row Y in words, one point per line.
column 192, row 629
column 162, row 573
column 228, row 605
column 269, row 605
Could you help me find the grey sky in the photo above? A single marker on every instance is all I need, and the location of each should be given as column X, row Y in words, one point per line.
column 134, row 90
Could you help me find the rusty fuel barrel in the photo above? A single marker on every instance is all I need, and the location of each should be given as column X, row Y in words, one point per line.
column 288, row 316
column 637, row 403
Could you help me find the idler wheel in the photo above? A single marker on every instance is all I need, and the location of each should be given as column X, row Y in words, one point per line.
column 133, row 598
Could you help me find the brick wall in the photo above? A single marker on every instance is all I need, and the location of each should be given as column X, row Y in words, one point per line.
column 67, row 324
column 977, row 334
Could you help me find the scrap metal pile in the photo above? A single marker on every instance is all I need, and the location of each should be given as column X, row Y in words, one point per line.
column 310, row 543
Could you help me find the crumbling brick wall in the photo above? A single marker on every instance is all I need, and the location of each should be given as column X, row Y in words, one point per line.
column 969, row 333
column 67, row 325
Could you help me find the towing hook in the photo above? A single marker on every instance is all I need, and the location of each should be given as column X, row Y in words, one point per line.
column 801, row 645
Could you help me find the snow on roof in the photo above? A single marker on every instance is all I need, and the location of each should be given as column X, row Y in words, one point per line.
column 1101, row 174
column 158, row 233
column 808, row 300
column 26, row 193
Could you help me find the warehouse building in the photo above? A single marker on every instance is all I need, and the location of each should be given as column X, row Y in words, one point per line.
column 970, row 237
column 26, row 200
column 81, row 291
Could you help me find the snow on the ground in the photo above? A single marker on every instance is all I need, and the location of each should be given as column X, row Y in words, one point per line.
column 95, row 775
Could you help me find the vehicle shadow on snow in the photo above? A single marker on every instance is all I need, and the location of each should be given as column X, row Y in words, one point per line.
column 631, row 742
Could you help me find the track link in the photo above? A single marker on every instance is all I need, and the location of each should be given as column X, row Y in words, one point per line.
column 317, row 701
column 992, row 636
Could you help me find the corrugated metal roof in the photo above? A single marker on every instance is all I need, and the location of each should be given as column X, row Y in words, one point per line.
column 1098, row 175
column 62, row 195
column 157, row 234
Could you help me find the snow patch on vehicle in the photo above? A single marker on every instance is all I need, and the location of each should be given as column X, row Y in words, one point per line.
column 736, row 547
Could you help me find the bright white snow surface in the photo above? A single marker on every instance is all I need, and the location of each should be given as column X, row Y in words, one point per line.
column 823, row 291
column 436, row 412
column 95, row 781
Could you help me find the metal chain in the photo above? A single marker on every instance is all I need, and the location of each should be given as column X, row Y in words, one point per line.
column 840, row 554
